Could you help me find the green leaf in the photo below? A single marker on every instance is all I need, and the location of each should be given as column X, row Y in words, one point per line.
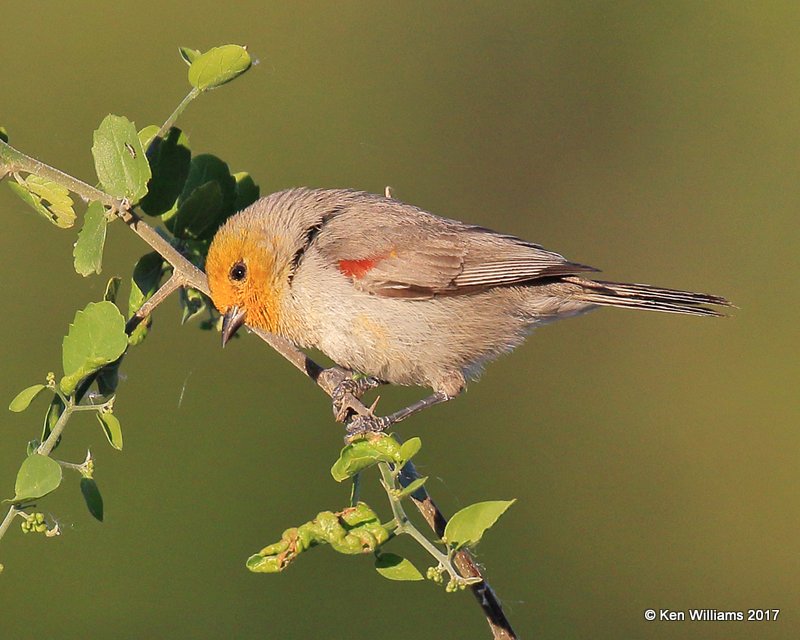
column 206, row 201
column 362, row 454
column 112, row 289
column 88, row 251
column 54, row 412
column 147, row 135
column 260, row 564
column 24, row 398
column 468, row 525
column 412, row 487
column 200, row 214
column 108, row 379
column 32, row 446
column 212, row 324
column 92, row 497
column 196, row 250
column 395, row 567
column 169, row 159
column 144, row 283
column 188, row 55
column 38, row 476
column 50, row 199
column 112, row 428
column 119, row 159
column 207, row 167
column 410, row 448
column 145, row 280
column 3, row 134
column 247, row 191
column 193, row 303
column 218, row 66
column 95, row 338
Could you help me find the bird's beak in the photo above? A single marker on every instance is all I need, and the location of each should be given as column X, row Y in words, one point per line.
column 231, row 321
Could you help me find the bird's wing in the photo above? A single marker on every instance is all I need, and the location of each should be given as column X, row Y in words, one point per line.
column 396, row 250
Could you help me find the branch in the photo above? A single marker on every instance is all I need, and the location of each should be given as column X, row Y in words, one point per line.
column 327, row 380
column 483, row 592
column 187, row 275
column 162, row 293
column 12, row 513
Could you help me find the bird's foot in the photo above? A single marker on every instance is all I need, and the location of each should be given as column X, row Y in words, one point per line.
column 370, row 423
column 346, row 396
column 364, row 425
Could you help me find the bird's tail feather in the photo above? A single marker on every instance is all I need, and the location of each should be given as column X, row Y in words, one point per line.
column 644, row 296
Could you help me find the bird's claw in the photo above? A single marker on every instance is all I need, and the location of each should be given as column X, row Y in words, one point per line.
column 348, row 408
column 347, row 394
column 363, row 425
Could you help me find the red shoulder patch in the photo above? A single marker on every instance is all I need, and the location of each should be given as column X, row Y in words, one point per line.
column 357, row 268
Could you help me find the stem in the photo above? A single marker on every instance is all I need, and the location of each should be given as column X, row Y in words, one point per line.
column 12, row 513
column 71, row 465
column 12, row 159
column 355, row 491
column 88, row 407
column 404, row 525
column 442, row 558
column 47, row 446
column 162, row 293
column 389, row 484
column 57, row 390
column 178, row 111
column 188, row 275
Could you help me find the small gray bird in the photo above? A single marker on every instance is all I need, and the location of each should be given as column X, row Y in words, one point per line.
column 407, row 297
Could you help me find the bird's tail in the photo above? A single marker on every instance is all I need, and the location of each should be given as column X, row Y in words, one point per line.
column 643, row 296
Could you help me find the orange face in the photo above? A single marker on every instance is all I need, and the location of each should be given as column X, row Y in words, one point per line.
column 243, row 275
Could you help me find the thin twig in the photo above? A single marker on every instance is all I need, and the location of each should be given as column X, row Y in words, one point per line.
column 178, row 111
column 12, row 513
column 162, row 293
column 483, row 592
column 47, row 446
column 404, row 525
column 14, row 160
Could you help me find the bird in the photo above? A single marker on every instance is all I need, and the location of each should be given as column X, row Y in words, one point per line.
column 402, row 296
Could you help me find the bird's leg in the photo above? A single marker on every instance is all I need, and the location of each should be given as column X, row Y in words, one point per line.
column 347, row 391
column 361, row 424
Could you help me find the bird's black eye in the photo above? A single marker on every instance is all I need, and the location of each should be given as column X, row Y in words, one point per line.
column 238, row 272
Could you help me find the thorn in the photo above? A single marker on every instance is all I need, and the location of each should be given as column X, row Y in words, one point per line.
column 373, row 405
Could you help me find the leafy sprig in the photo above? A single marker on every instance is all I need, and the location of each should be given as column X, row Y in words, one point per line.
column 358, row 530
column 151, row 172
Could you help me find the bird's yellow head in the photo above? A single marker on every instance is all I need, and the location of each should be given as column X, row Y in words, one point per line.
column 245, row 278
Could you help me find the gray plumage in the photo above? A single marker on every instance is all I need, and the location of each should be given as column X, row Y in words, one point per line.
column 390, row 290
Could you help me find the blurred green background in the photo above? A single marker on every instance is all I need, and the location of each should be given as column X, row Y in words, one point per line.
column 654, row 457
